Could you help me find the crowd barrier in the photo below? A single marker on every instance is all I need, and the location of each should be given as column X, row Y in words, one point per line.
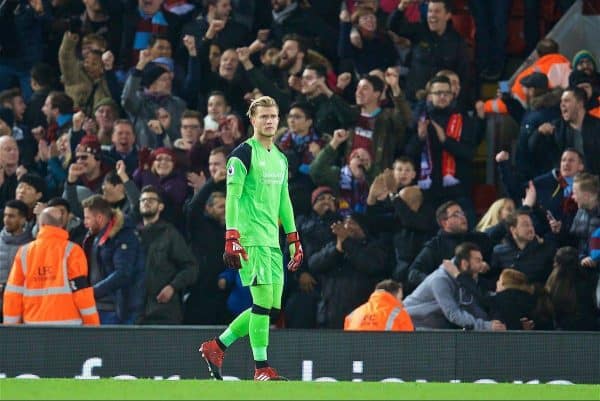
column 170, row 353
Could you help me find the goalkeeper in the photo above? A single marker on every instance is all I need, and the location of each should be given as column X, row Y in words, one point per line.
column 257, row 199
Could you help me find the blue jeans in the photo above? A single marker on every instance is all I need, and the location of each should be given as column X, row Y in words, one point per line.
column 10, row 73
column 491, row 23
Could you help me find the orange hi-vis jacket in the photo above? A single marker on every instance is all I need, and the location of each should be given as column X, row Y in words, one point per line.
column 595, row 112
column 382, row 312
column 556, row 67
column 48, row 283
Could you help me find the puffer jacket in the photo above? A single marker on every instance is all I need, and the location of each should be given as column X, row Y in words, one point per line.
column 9, row 244
column 122, row 264
column 584, row 224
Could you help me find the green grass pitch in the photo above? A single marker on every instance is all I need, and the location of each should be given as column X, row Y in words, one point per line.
column 111, row 389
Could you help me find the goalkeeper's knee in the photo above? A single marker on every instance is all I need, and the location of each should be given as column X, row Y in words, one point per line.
column 260, row 310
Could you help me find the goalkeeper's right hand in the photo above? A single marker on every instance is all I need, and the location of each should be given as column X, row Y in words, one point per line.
column 233, row 249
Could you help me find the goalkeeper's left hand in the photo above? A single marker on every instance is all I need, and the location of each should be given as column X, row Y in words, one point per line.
column 296, row 253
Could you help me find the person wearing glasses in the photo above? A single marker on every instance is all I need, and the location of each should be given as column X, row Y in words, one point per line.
column 443, row 148
column 89, row 168
column 453, row 231
column 170, row 264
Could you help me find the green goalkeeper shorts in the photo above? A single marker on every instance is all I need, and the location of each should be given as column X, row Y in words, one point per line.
column 264, row 266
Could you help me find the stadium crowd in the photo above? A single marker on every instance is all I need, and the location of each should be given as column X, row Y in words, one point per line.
column 121, row 114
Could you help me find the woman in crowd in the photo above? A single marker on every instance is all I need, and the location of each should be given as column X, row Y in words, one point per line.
column 492, row 222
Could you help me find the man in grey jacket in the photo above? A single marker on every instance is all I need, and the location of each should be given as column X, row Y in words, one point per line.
column 437, row 303
column 12, row 236
column 148, row 100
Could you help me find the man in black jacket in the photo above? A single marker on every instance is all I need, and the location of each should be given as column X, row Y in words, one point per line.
column 348, row 268
column 9, row 164
column 170, row 265
column 576, row 129
column 315, row 228
column 195, row 206
column 453, row 231
column 227, row 79
column 233, row 34
column 207, row 304
column 443, row 147
column 290, row 17
column 435, row 45
column 523, row 250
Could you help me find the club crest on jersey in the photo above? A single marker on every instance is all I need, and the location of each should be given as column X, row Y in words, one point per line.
column 230, row 170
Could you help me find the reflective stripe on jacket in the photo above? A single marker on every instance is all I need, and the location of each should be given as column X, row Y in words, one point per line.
column 496, row 105
column 556, row 67
column 382, row 312
column 48, row 283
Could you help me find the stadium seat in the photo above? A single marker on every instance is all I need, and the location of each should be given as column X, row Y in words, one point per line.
column 483, row 196
column 463, row 21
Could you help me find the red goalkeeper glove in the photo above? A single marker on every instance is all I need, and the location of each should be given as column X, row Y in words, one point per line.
column 296, row 252
column 233, row 249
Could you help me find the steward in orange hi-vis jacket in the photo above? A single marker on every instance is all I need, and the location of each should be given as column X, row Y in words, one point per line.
column 48, row 281
column 382, row 312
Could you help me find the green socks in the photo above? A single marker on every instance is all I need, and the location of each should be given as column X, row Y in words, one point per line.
column 255, row 321
column 237, row 329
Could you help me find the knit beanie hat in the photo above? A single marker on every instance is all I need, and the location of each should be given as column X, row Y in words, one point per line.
column 165, row 62
column 7, row 116
column 162, row 151
column 89, row 144
column 151, row 73
column 107, row 101
column 318, row 192
column 583, row 54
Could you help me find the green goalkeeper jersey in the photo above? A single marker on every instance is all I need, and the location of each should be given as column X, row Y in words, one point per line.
column 257, row 194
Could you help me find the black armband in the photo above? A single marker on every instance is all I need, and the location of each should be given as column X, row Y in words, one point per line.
column 79, row 283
